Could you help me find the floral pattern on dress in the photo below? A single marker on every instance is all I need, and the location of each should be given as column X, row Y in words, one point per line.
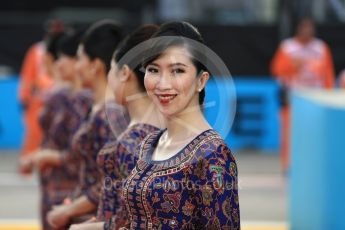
column 194, row 189
column 117, row 160
column 59, row 121
column 92, row 135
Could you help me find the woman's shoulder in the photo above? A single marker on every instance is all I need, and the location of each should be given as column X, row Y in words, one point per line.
column 54, row 95
column 211, row 146
column 149, row 142
column 108, row 111
column 214, row 162
column 106, row 152
column 82, row 97
column 137, row 132
column 108, row 147
column 142, row 130
column 116, row 114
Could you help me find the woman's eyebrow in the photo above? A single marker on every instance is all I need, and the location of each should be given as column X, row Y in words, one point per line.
column 177, row 64
column 170, row 65
column 153, row 63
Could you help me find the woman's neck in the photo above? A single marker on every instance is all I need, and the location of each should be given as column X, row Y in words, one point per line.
column 62, row 84
column 142, row 110
column 99, row 89
column 186, row 125
column 181, row 130
column 76, row 84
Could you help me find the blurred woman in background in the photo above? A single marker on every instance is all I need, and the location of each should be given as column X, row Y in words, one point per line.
column 63, row 112
column 51, row 191
column 117, row 159
column 106, row 121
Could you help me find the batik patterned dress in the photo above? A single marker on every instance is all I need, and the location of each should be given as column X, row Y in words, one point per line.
column 103, row 125
column 72, row 120
column 64, row 179
column 59, row 119
column 76, row 110
column 194, row 189
column 117, row 159
column 53, row 105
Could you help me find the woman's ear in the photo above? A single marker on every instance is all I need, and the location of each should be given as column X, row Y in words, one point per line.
column 125, row 73
column 98, row 67
column 202, row 80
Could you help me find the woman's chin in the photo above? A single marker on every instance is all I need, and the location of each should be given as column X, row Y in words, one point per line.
column 167, row 113
column 170, row 111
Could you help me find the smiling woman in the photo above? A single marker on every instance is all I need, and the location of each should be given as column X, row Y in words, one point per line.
column 186, row 177
column 171, row 83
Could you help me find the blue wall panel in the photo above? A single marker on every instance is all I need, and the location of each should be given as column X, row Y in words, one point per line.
column 255, row 102
column 11, row 126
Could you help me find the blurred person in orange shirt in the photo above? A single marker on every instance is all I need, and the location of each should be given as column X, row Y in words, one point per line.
column 35, row 81
column 302, row 61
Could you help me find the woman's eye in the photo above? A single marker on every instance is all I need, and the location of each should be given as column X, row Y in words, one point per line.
column 178, row 71
column 152, row 70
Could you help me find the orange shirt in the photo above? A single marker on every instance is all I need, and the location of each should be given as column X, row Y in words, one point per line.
column 34, row 82
column 298, row 65
column 34, row 78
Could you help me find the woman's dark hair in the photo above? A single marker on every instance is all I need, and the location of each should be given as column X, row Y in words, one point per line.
column 68, row 44
column 100, row 41
column 138, row 36
column 52, row 41
column 179, row 34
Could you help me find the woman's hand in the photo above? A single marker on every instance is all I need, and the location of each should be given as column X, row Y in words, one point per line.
column 46, row 158
column 59, row 216
column 25, row 165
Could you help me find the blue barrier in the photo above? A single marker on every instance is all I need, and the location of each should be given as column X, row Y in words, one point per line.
column 220, row 105
column 317, row 185
column 11, row 126
column 256, row 122
column 254, row 101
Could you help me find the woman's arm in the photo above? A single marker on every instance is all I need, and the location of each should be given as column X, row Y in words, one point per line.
column 61, row 215
column 217, row 190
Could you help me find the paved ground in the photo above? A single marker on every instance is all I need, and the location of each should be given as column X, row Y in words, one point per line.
column 263, row 195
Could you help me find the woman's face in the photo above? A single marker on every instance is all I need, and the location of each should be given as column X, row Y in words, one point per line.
column 115, row 83
column 306, row 30
column 172, row 83
column 66, row 67
column 84, row 69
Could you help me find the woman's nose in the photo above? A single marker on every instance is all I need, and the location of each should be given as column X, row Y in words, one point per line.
column 164, row 81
